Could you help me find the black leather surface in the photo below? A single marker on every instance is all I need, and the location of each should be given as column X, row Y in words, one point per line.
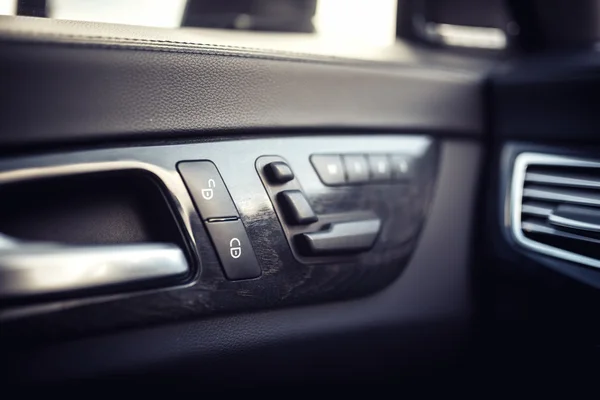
column 418, row 320
column 65, row 81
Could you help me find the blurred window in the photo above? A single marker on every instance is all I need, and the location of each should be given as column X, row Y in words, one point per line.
column 366, row 22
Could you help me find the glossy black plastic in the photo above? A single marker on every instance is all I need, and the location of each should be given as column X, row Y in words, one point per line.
column 234, row 249
column 207, row 189
column 279, row 172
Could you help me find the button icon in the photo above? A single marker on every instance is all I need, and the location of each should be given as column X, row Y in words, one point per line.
column 234, row 248
column 357, row 168
column 209, row 193
column 403, row 166
column 332, row 169
column 329, row 168
column 380, row 167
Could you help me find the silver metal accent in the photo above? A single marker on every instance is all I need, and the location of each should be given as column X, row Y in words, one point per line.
column 33, row 268
column 460, row 35
column 535, row 227
column 572, row 223
column 224, row 219
column 536, row 209
column 561, row 180
column 36, row 269
column 515, row 208
column 561, row 196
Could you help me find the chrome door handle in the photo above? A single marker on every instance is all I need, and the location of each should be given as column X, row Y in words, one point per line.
column 35, row 268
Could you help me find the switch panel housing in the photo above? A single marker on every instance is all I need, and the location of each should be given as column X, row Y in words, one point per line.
column 245, row 254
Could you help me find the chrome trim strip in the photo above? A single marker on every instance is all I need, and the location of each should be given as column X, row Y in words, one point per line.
column 572, row 223
column 534, row 209
column 39, row 269
column 548, row 230
column 522, row 161
column 554, row 195
column 561, row 180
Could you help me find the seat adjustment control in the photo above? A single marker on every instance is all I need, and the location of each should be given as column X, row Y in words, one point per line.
column 402, row 167
column 207, row 189
column 360, row 169
column 380, row 168
column 278, row 172
column 296, row 208
column 329, row 168
column 328, row 236
column 341, row 237
column 234, row 249
column 357, row 168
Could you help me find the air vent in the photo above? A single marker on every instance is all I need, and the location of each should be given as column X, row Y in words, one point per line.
column 555, row 206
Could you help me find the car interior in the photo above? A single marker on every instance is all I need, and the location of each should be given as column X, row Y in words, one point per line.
column 203, row 194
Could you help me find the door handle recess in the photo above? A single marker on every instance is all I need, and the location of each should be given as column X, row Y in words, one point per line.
column 37, row 268
column 31, row 268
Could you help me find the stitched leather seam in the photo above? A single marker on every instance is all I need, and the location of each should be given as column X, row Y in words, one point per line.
column 118, row 40
column 211, row 49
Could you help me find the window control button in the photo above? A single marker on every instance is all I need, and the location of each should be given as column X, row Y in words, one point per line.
column 296, row 208
column 329, row 168
column 234, row 249
column 207, row 189
column 357, row 168
column 380, row 168
column 278, row 172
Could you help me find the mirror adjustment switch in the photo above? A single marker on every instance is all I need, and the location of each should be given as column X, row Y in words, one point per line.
column 278, row 172
column 329, row 168
column 380, row 168
column 207, row 189
column 234, row 249
column 296, row 208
